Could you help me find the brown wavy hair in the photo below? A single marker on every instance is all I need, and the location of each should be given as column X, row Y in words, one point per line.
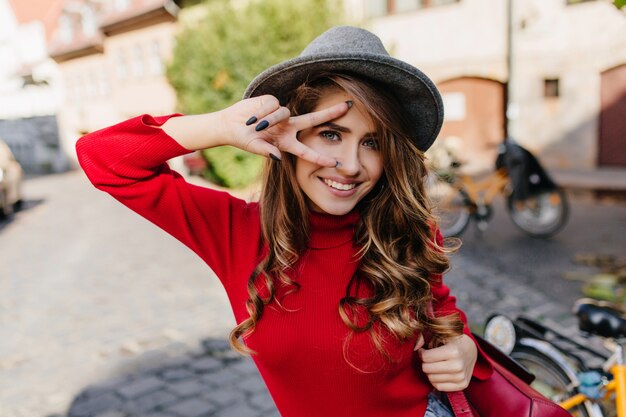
column 395, row 232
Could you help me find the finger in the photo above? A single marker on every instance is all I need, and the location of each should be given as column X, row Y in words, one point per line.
column 277, row 116
column 304, row 152
column 263, row 148
column 261, row 106
column 308, row 120
column 419, row 343
column 445, row 367
column 447, row 378
column 439, row 354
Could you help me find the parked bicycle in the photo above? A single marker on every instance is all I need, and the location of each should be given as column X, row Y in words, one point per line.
column 536, row 204
column 585, row 381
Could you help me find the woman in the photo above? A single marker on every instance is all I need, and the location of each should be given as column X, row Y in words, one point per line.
column 334, row 276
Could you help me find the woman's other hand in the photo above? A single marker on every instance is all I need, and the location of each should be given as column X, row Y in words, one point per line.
column 262, row 126
column 449, row 367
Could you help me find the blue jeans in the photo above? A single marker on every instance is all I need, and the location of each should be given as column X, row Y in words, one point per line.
column 436, row 407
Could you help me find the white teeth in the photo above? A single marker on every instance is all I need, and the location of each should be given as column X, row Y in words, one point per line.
column 338, row 185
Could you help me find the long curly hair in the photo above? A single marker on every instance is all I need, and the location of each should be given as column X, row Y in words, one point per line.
column 399, row 255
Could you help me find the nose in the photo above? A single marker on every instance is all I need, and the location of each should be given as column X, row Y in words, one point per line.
column 349, row 160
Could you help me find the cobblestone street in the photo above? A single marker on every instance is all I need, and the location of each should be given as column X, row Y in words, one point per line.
column 93, row 324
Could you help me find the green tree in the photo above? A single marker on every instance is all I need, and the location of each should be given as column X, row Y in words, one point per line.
column 223, row 45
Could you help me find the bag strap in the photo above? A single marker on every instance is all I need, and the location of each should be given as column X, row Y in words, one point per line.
column 460, row 405
column 458, row 399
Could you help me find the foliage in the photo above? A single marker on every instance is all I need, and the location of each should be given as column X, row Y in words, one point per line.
column 231, row 167
column 619, row 3
column 224, row 44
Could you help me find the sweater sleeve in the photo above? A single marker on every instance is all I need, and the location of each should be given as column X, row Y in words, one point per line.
column 445, row 304
column 128, row 161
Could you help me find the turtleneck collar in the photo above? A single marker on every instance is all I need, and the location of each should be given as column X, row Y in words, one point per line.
column 329, row 231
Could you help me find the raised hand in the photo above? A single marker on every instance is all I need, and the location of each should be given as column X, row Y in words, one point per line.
column 262, row 126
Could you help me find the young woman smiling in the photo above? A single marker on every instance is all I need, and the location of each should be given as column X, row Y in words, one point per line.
column 335, row 274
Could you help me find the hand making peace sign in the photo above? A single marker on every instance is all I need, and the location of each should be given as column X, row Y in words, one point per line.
column 262, row 126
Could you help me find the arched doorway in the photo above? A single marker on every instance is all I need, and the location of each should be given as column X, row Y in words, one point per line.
column 474, row 109
column 612, row 134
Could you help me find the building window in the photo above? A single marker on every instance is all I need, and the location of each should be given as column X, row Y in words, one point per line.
column 66, row 29
column 401, row 6
column 121, row 5
column 121, row 65
column 551, row 87
column 89, row 24
column 138, row 64
column 104, row 86
column 92, row 84
column 377, row 8
column 70, row 89
column 442, row 2
column 156, row 60
column 79, row 92
column 455, row 106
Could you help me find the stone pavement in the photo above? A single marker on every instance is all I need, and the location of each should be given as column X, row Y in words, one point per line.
column 216, row 382
column 213, row 382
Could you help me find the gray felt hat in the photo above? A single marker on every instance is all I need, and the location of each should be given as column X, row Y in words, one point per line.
column 347, row 49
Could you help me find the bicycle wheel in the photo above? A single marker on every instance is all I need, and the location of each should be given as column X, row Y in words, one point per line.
column 449, row 205
column 542, row 215
column 550, row 379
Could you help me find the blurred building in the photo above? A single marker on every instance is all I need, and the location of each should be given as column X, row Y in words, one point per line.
column 111, row 56
column 568, row 78
column 29, row 92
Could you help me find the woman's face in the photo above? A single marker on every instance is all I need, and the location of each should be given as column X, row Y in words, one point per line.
column 351, row 140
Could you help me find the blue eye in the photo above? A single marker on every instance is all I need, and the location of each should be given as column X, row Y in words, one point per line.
column 330, row 135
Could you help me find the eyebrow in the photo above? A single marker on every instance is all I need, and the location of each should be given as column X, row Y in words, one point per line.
column 342, row 129
column 334, row 126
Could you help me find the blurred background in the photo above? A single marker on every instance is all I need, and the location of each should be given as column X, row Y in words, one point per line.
column 95, row 321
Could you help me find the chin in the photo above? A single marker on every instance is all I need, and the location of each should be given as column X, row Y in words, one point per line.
column 338, row 212
column 334, row 210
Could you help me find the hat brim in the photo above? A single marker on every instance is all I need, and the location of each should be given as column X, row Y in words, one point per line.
column 414, row 90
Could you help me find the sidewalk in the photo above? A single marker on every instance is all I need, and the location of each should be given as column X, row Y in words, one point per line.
column 216, row 382
column 602, row 179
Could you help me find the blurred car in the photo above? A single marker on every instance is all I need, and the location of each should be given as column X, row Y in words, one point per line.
column 11, row 176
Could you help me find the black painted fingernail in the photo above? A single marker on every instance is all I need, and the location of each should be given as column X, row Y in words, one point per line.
column 274, row 157
column 262, row 125
column 349, row 103
column 251, row 120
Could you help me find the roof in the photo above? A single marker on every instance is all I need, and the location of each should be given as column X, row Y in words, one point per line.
column 45, row 11
column 140, row 13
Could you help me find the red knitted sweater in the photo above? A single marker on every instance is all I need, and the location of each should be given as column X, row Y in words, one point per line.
column 299, row 347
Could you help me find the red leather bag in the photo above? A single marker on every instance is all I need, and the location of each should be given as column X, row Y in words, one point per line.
column 506, row 393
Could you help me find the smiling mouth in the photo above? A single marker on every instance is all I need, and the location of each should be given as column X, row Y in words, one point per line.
column 338, row 186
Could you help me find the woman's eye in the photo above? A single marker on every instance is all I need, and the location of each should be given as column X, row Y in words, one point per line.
column 370, row 143
column 330, row 135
